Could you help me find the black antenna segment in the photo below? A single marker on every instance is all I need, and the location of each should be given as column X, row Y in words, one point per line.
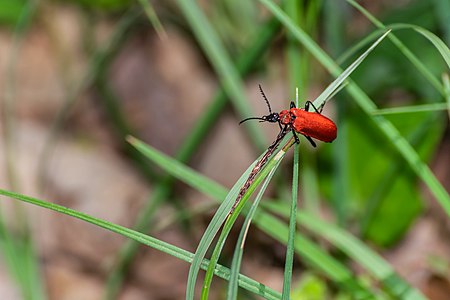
column 265, row 98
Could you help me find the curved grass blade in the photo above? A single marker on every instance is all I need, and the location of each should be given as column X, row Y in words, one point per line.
column 333, row 87
column 411, row 109
column 153, row 18
column 162, row 246
column 238, row 252
column 271, row 166
column 292, row 229
column 290, row 250
column 436, row 41
column 414, row 60
column 368, row 106
column 446, row 80
column 358, row 46
column 210, row 232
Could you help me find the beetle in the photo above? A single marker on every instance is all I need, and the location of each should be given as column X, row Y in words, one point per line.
column 300, row 120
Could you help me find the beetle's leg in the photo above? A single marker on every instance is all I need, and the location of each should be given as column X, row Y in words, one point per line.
column 292, row 104
column 311, row 141
column 297, row 140
column 308, row 103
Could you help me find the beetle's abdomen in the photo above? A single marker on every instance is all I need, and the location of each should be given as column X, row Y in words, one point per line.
column 314, row 125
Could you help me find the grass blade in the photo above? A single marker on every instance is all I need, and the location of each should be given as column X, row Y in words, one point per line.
column 159, row 245
column 239, row 250
column 292, row 230
column 271, row 164
column 437, row 42
column 290, row 247
column 339, row 81
column 446, row 80
column 414, row 60
column 411, row 109
column 153, row 18
column 269, row 169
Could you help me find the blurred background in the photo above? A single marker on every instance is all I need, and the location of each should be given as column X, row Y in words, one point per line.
column 77, row 77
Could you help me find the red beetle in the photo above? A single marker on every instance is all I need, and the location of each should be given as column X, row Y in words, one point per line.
column 298, row 120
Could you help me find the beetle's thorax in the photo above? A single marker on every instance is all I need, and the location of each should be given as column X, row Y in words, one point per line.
column 287, row 117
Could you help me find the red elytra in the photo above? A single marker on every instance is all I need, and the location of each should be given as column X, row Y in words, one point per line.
column 312, row 124
column 298, row 120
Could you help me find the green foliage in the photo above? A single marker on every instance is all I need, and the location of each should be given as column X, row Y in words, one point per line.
column 11, row 10
column 310, row 287
column 369, row 176
column 393, row 196
column 104, row 5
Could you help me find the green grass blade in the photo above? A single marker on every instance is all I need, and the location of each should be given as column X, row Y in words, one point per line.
column 437, row 42
column 367, row 105
column 229, row 200
column 239, row 250
column 446, row 80
column 434, row 39
column 177, row 169
column 442, row 9
column 290, row 247
column 363, row 43
column 296, row 62
column 411, row 109
column 414, row 60
column 222, row 64
column 153, row 18
column 162, row 246
column 270, row 168
column 339, row 81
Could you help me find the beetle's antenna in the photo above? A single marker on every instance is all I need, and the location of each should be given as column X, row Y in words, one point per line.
column 252, row 118
column 265, row 98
